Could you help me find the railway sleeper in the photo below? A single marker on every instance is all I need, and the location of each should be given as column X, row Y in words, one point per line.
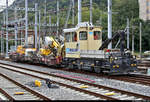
column 128, row 98
column 121, row 96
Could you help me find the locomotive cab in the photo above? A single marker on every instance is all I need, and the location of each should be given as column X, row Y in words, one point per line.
column 82, row 45
column 83, row 37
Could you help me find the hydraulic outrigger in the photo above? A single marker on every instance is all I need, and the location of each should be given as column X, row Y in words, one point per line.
column 122, row 58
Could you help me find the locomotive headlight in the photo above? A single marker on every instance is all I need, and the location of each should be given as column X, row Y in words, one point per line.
column 116, row 58
column 81, row 63
column 92, row 65
column 115, row 66
column 134, row 57
column 133, row 65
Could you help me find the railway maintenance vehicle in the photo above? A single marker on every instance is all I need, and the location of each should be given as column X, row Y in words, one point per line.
column 84, row 49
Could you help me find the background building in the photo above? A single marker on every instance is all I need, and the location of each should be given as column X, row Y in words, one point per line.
column 144, row 9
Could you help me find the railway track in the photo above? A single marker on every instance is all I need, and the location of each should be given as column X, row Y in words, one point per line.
column 5, row 96
column 92, row 89
column 144, row 65
column 134, row 78
column 10, row 88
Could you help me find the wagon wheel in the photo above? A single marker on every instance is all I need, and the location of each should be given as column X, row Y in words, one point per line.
column 92, row 69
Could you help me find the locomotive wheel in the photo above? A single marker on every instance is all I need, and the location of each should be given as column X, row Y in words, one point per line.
column 71, row 66
column 97, row 70
column 92, row 69
column 80, row 67
column 58, row 66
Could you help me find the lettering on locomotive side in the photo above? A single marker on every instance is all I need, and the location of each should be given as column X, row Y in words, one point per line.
column 69, row 50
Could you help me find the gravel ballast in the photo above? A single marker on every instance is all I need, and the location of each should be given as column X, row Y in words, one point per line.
column 60, row 93
column 132, row 87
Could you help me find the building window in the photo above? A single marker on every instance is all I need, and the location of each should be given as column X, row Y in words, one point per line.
column 147, row 11
column 147, row 6
column 83, row 35
column 147, row 3
column 74, row 37
column 97, row 35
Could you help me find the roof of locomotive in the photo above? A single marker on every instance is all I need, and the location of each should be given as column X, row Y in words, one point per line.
column 81, row 25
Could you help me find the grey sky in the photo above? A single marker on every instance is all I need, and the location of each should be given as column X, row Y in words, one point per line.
column 3, row 2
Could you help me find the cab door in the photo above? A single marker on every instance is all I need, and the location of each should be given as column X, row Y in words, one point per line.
column 94, row 39
column 83, row 37
column 71, row 45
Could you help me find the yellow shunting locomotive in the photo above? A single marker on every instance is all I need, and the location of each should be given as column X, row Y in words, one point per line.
column 85, row 50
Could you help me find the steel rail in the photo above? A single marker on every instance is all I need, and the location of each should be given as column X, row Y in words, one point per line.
column 7, row 95
column 26, row 88
column 133, row 80
column 65, row 85
column 141, row 81
column 79, row 81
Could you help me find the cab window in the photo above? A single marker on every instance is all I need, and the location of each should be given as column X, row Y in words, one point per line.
column 74, row 37
column 68, row 37
column 83, row 35
column 97, row 35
